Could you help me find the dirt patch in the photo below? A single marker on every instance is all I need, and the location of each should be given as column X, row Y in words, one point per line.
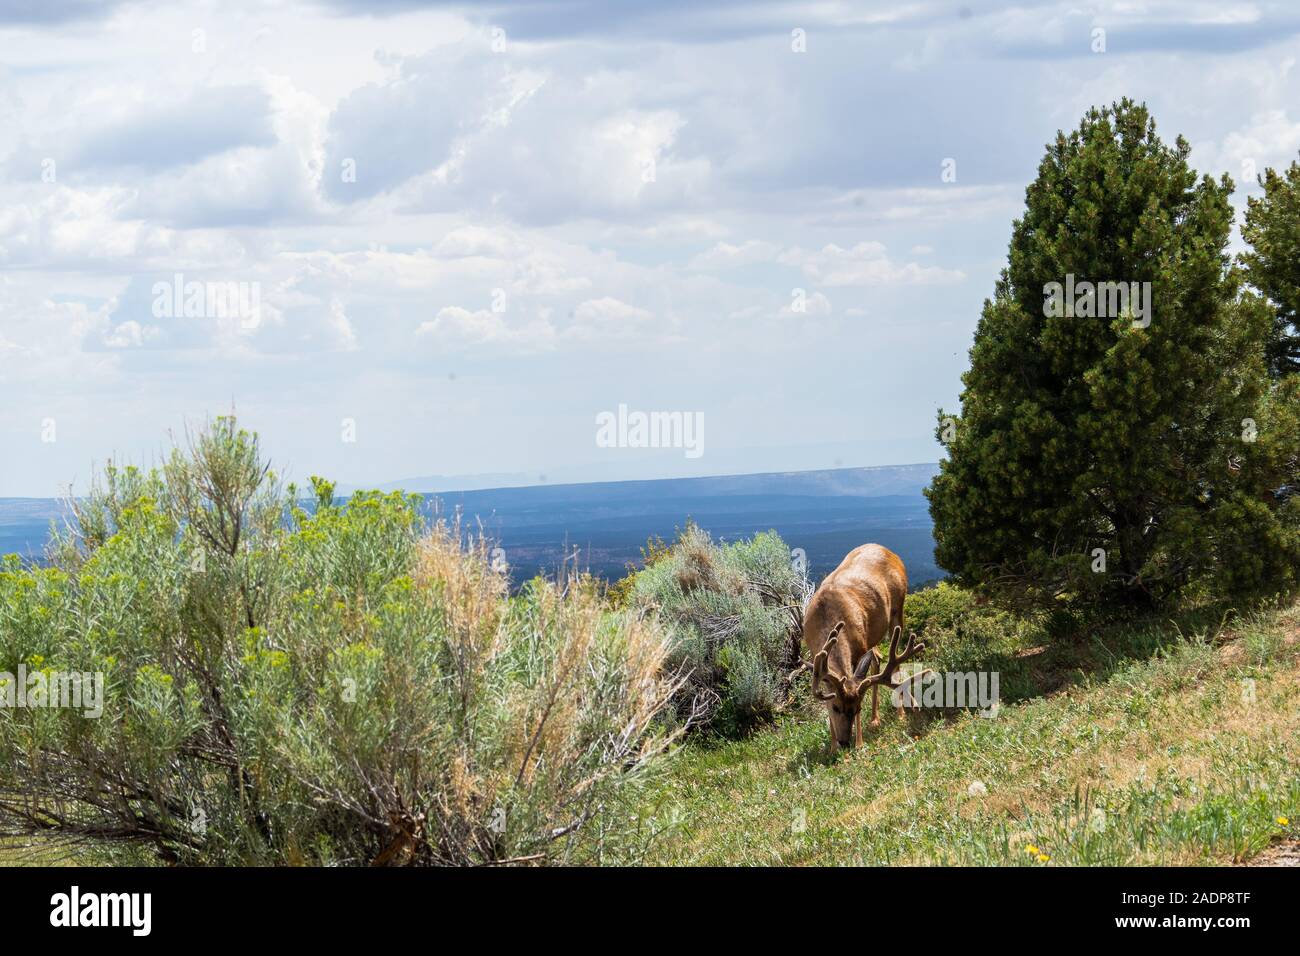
column 1233, row 653
column 1286, row 853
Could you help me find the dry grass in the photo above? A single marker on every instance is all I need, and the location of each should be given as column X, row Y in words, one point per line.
column 1163, row 761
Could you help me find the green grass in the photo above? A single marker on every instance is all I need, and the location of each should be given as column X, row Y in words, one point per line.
column 35, row 853
column 1145, row 743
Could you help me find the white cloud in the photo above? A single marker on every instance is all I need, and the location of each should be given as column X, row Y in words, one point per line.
column 725, row 255
column 809, row 305
column 608, row 318
column 459, row 326
column 638, row 208
column 865, row 263
column 455, row 329
column 61, row 227
column 467, row 241
column 1270, row 138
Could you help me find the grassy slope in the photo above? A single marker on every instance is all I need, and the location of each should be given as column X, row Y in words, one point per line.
column 1155, row 729
column 20, row 853
column 1174, row 757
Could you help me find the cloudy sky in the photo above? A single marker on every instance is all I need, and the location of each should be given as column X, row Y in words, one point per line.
column 471, row 229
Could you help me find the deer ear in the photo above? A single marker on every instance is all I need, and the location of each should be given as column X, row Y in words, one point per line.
column 818, row 675
column 864, row 665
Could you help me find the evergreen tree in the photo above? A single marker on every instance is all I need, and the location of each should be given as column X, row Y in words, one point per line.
column 1104, row 448
column 1273, row 263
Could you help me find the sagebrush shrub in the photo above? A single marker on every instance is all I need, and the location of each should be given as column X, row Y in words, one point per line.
column 731, row 609
column 341, row 687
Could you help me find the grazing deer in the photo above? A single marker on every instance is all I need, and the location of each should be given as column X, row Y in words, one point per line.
column 853, row 610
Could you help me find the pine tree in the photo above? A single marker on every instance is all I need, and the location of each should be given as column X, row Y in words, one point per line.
column 1108, row 449
column 1273, row 262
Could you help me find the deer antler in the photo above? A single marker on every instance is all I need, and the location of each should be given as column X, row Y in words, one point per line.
column 910, row 650
column 819, row 664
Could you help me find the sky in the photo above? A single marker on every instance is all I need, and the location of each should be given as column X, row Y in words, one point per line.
column 455, row 236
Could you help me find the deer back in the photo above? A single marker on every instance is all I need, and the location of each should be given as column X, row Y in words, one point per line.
column 865, row 593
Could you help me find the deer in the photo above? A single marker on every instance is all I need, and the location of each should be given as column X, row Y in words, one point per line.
column 847, row 618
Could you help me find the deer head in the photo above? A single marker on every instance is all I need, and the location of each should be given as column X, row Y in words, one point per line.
column 843, row 694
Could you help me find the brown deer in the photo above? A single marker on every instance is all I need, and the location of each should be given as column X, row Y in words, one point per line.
column 853, row 610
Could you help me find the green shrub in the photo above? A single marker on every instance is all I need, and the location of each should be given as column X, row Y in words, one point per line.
column 732, row 610
column 939, row 608
column 342, row 687
column 965, row 632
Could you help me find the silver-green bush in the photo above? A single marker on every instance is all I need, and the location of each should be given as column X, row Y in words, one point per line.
column 733, row 610
column 341, row 687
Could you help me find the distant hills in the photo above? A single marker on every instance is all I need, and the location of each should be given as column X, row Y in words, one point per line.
column 831, row 482
column 641, row 464
column 25, row 524
column 602, row 525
